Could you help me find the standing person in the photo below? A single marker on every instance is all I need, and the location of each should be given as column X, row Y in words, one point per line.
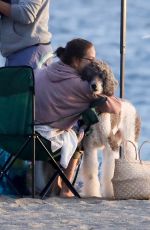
column 24, row 35
column 25, row 40
column 61, row 95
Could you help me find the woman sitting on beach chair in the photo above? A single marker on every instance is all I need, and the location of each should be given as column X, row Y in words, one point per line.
column 61, row 97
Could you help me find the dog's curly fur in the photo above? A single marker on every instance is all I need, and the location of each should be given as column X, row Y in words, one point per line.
column 108, row 134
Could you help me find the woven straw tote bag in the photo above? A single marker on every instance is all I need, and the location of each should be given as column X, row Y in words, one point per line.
column 131, row 179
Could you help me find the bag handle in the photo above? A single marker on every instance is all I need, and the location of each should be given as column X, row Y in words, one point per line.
column 124, row 148
column 144, row 142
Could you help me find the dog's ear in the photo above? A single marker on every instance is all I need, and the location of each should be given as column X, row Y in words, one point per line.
column 84, row 74
column 103, row 74
column 87, row 73
column 109, row 84
column 109, row 81
column 116, row 83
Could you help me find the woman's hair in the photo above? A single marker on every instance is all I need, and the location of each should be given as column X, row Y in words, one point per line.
column 76, row 48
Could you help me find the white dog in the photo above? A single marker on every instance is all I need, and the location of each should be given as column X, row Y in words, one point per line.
column 108, row 134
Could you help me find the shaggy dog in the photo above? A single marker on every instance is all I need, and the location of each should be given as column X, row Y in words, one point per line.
column 108, row 134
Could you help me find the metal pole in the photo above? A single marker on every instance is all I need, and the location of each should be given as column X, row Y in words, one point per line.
column 34, row 137
column 122, row 52
column 122, row 45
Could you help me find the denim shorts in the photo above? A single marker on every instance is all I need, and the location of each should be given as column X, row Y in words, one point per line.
column 35, row 56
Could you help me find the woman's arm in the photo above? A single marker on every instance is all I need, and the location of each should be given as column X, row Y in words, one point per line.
column 111, row 105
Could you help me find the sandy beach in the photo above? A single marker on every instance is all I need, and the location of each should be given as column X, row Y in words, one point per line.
column 73, row 214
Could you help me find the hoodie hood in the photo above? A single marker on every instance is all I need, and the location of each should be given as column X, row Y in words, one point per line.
column 58, row 71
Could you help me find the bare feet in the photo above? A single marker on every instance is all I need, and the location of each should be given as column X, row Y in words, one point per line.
column 66, row 194
column 56, row 187
column 69, row 172
column 60, row 189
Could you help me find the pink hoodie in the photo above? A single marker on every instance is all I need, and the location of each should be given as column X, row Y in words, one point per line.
column 61, row 96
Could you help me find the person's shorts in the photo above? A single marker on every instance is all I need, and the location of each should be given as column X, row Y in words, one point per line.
column 35, row 56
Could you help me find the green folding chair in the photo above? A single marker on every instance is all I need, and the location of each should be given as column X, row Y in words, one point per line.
column 17, row 131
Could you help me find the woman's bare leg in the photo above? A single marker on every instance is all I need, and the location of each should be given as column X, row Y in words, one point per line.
column 69, row 172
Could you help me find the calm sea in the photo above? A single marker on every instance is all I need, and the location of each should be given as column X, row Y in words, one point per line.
column 99, row 21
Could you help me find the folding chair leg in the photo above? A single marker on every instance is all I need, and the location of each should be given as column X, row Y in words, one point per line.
column 76, row 174
column 13, row 187
column 59, row 170
column 12, row 159
column 9, row 162
column 47, row 187
column 33, row 166
column 10, row 183
column 66, row 181
column 5, row 164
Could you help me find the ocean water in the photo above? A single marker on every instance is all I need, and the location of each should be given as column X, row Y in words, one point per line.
column 99, row 21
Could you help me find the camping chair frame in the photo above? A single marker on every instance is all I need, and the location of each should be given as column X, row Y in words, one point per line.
column 32, row 140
